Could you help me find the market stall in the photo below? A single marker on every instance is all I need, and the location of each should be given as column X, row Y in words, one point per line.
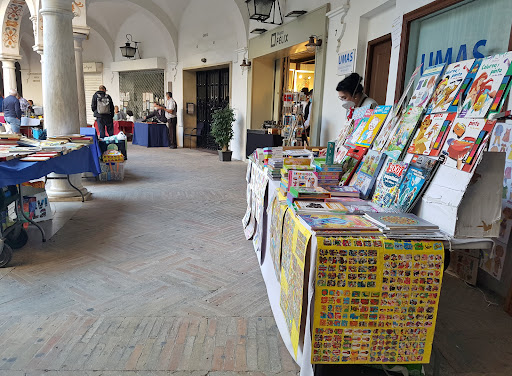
column 119, row 126
column 150, row 135
column 353, row 239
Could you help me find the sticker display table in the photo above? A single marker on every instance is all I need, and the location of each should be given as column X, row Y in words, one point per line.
column 150, row 135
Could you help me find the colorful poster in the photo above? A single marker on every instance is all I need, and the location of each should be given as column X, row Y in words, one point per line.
column 426, row 86
column 295, row 244
column 486, row 85
column 493, row 260
column 376, row 300
column 431, row 134
column 464, row 141
column 464, row 264
column 501, row 141
column 372, row 127
column 449, row 86
column 404, row 132
column 276, row 231
column 506, row 221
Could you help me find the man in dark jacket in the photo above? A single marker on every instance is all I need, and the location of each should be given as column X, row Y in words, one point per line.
column 103, row 108
column 12, row 112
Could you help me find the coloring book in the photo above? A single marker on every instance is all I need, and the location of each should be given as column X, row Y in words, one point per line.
column 431, row 134
column 404, row 132
column 426, row 86
column 372, row 126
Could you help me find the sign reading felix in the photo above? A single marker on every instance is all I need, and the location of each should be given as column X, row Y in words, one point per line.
column 346, row 62
column 278, row 38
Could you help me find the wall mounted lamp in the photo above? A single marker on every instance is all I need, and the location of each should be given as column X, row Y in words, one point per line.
column 245, row 64
column 296, row 13
column 313, row 43
column 260, row 10
column 127, row 50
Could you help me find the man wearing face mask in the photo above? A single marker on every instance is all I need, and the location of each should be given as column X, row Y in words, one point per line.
column 350, row 93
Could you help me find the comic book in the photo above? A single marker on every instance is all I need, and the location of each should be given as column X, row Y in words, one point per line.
column 381, row 141
column 417, row 177
column 358, row 129
column 350, row 163
column 430, row 135
column 464, row 142
column 486, row 85
column 302, row 179
column 449, row 86
column 388, row 182
column 367, row 172
column 403, row 132
column 426, row 86
column 372, row 126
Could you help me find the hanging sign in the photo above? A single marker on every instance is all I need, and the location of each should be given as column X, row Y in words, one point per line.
column 346, row 62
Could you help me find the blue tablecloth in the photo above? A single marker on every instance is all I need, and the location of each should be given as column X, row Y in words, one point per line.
column 150, row 135
column 95, row 148
column 82, row 160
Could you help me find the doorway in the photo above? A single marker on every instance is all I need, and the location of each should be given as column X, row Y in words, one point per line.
column 377, row 68
column 212, row 88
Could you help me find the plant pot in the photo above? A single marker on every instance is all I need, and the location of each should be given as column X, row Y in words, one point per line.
column 225, row 156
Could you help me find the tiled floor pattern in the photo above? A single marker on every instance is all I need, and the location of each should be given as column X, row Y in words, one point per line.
column 154, row 277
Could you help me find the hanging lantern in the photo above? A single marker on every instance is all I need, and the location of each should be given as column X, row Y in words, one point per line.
column 259, row 10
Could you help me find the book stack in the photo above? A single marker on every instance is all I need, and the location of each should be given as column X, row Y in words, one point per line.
column 29, row 142
column 340, row 224
column 318, row 207
column 342, row 191
column 80, row 139
column 274, row 168
column 9, row 139
column 328, row 174
column 404, row 226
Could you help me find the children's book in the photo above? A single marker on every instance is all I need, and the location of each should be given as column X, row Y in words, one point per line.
column 400, row 221
column 358, row 128
column 319, row 207
column 309, row 192
column 486, row 85
column 340, row 153
column 302, row 179
column 466, row 85
column 340, row 222
column 403, row 132
column 367, row 172
column 342, row 191
column 464, row 142
column 430, row 134
column 373, row 125
column 388, row 182
column 449, row 86
column 426, row 86
column 350, row 163
column 388, row 128
column 416, row 179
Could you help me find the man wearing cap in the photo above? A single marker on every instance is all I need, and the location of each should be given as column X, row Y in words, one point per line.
column 103, row 108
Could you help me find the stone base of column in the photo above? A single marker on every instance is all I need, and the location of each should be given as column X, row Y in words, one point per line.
column 60, row 190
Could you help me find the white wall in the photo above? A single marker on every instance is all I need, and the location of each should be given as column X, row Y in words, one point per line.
column 215, row 31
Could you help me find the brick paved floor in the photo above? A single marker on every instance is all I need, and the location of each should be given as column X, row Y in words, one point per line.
column 154, row 277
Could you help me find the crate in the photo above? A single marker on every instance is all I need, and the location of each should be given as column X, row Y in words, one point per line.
column 111, row 171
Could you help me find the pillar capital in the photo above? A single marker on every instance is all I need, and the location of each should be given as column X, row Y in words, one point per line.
column 81, row 31
column 57, row 7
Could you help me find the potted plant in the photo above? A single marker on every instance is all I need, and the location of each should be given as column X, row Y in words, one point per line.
column 222, row 130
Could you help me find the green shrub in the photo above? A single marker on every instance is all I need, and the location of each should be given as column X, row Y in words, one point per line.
column 222, row 126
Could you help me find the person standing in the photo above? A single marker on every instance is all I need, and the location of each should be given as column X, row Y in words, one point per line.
column 12, row 112
column 172, row 119
column 23, row 104
column 1, row 100
column 103, row 108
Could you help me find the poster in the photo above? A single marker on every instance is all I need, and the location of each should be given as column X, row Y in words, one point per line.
column 294, row 248
column 501, row 141
column 493, row 260
column 276, row 231
column 464, row 264
column 376, row 300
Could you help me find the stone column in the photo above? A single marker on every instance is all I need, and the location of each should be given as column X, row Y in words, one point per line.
column 60, row 94
column 9, row 74
column 82, row 106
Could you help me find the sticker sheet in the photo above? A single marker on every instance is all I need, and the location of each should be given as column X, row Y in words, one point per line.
column 295, row 243
column 376, row 300
column 276, row 231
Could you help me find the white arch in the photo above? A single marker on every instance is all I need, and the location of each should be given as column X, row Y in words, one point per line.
column 104, row 34
column 11, row 13
column 151, row 8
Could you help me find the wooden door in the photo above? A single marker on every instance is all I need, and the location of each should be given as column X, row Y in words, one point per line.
column 377, row 68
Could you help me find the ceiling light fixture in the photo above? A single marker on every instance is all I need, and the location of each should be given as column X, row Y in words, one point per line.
column 260, row 10
column 127, row 50
column 258, row 31
column 296, row 13
column 313, row 43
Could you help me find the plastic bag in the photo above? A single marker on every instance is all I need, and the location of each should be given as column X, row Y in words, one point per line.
column 121, row 136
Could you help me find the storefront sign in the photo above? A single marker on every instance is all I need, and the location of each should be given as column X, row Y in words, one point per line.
column 346, row 62
column 278, row 38
column 438, row 57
